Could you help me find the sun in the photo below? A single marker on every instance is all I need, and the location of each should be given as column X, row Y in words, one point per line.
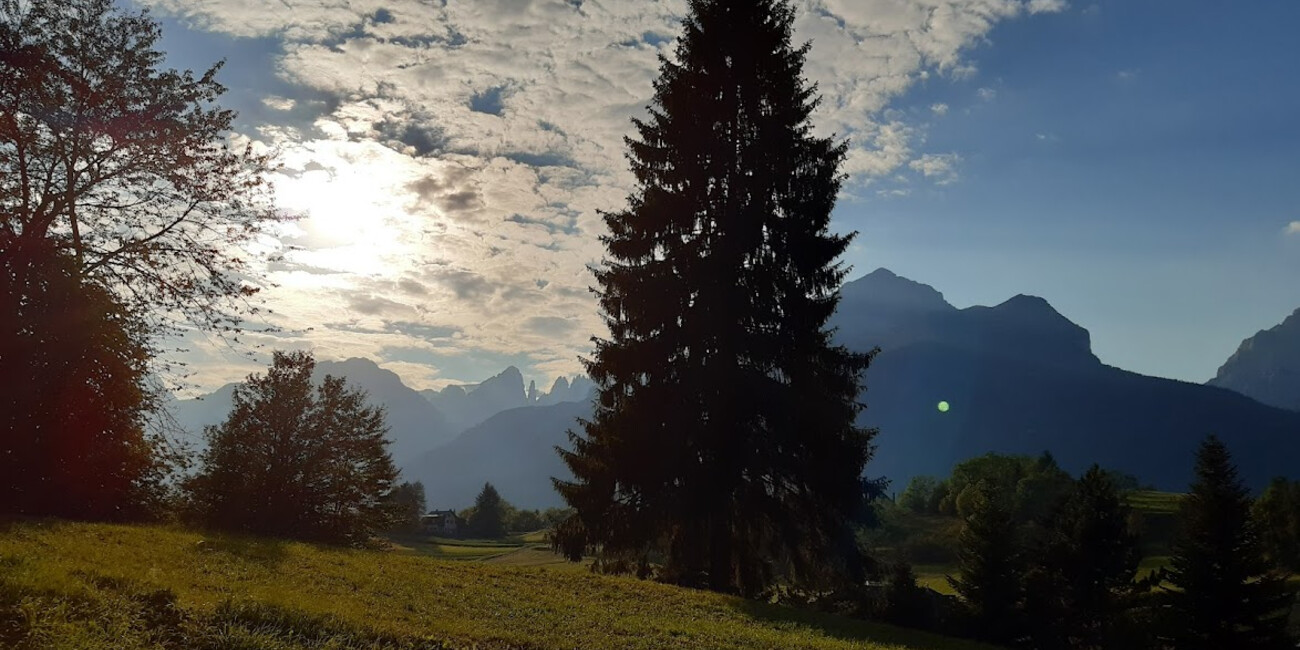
column 354, row 220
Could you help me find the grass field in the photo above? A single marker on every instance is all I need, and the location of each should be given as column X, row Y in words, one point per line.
column 69, row 585
column 1150, row 501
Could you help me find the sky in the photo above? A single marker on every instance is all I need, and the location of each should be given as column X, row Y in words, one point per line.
column 1134, row 162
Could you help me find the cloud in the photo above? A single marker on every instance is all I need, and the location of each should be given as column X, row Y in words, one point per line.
column 1047, row 6
column 986, row 94
column 454, row 157
column 940, row 167
column 1293, row 228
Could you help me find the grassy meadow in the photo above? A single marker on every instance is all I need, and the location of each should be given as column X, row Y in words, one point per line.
column 74, row 585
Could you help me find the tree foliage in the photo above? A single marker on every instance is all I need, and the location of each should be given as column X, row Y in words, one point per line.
column 1031, row 485
column 723, row 447
column 125, row 167
column 921, row 495
column 1223, row 592
column 295, row 459
column 991, row 567
column 1083, row 581
column 488, row 517
column 72, row 413
column 407, row 505
column 1277, row 516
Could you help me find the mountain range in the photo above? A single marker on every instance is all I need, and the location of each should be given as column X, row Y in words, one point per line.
column 1266, row 366
column 418, row 421
column 1018, row 377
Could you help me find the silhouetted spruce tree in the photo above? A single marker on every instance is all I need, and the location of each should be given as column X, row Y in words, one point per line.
column 905, row 602
column 488, row 518
column 1082, row 584
column 1223, row 593
column 723, row 439
column 990, row 565
column 296, row 459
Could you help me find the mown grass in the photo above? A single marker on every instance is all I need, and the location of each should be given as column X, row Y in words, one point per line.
column 71, row 585
column 1151, row 501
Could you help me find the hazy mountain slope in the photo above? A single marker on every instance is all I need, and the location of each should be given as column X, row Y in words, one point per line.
column 1147, row 426
column 1020, row 377
column 514, row 450
column 415, row 425
column 1266, row 366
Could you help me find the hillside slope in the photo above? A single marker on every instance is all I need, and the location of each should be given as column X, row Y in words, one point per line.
column 513, row 450
column 66, row 585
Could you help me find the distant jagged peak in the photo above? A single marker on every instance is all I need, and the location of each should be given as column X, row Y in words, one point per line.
column 561, row 384
column 507, row 384
column 886, row 288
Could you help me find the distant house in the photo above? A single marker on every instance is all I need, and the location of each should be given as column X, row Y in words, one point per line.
column 441, row 522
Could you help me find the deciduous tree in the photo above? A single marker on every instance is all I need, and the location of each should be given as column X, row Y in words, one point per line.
column 127, row 167
column 296, row 459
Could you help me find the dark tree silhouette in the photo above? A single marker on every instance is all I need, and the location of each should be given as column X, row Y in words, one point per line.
column 124, row 166
column 1083, row 582
column 1277, row 516
column 990, row 562
column 723, row 439
column 1223, row 593
column 124, row 213
column 905, row 602
column 297, row 460
column 408, row 505
column 488, row 517
column 72, row 440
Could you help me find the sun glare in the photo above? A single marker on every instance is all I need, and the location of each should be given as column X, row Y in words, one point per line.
column 354, row 221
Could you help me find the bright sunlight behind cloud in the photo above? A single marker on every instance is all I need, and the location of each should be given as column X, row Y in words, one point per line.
column 451, row 159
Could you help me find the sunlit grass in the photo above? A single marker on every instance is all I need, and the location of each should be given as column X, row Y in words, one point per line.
column 1151, row 501
column 66, row 585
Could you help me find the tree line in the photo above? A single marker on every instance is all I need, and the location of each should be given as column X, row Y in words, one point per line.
column 1068, row 577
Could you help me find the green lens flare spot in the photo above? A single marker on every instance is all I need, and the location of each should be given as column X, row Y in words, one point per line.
column 943, row 407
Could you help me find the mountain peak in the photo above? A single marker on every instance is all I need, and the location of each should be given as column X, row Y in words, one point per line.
column 885, row 288
column 1266, row 366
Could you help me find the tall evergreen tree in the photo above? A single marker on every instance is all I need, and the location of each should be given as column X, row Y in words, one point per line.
column 1223, row 593
column 488, row 517
column 1083, row 580
column 724, row 438
column 990, row 565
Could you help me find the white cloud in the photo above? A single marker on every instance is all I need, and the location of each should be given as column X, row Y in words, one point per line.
column 986, row 94
column 942, row 168
column 1047, row 6
column 1293, row 228
column 453, row 157
column 1127, row 74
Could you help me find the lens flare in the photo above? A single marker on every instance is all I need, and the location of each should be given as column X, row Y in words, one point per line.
column 943, row 407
